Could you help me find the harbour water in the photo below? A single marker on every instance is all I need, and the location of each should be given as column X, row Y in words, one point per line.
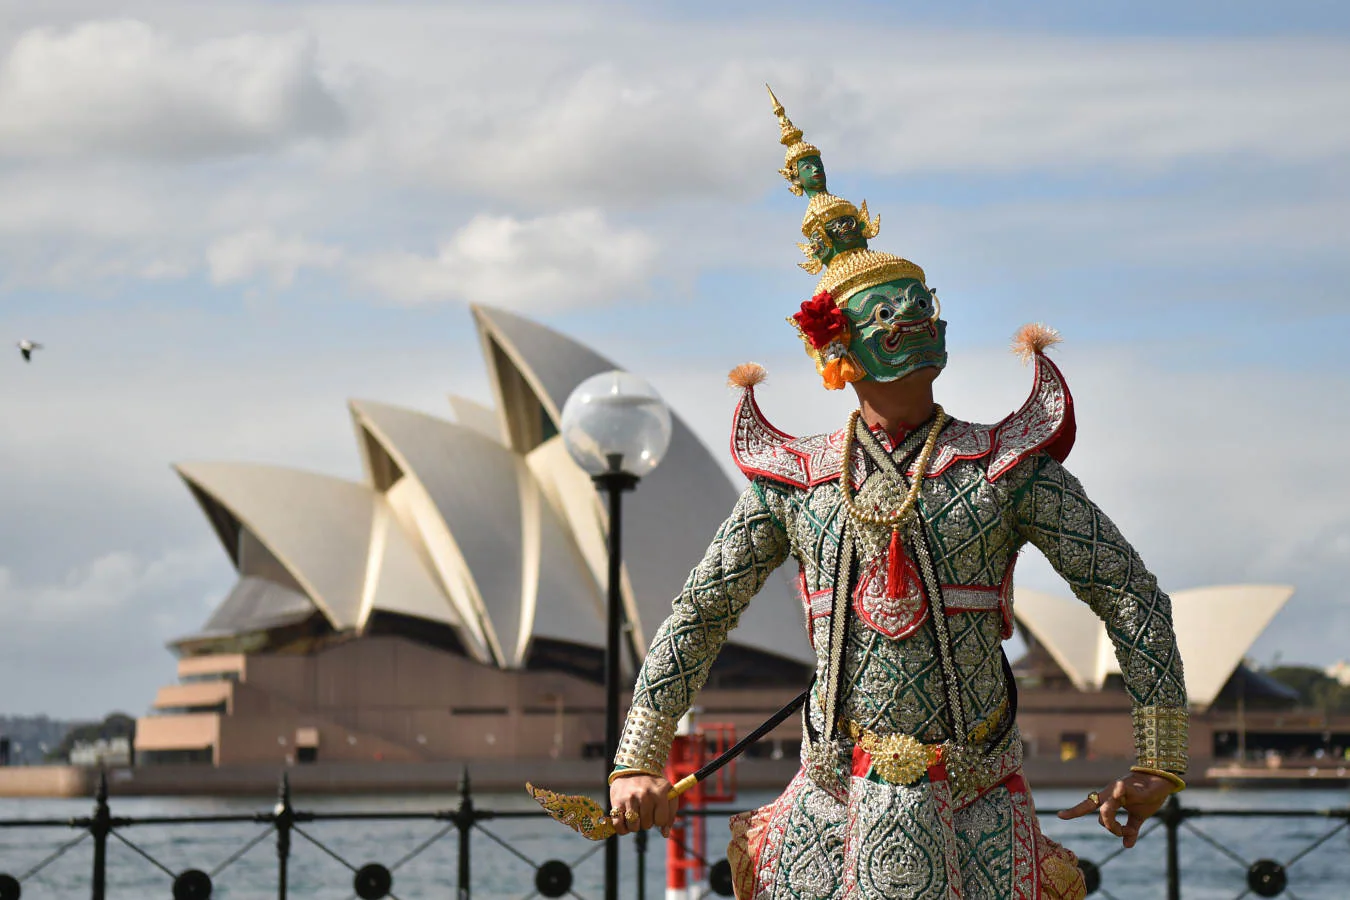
column 498, row 870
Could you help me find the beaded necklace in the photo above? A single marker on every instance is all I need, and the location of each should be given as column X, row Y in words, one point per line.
column 894, row 520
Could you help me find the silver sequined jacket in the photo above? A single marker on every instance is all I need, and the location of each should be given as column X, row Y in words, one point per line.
column 990, row 491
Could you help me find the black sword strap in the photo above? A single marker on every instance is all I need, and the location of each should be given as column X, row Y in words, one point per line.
column 764, row 728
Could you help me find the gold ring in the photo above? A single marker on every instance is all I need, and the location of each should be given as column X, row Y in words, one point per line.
column 631, row 816
column 1096, row 798
column 615, row 813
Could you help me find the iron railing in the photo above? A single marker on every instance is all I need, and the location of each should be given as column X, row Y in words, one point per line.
column 1264, row 877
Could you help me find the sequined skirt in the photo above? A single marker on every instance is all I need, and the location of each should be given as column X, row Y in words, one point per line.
column 874, row 840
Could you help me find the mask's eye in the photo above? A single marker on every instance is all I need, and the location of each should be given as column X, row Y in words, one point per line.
column 885, row 314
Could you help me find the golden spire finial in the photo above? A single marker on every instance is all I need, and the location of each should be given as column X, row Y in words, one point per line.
column 791, row 133
column 791, row 138
column 777, row 107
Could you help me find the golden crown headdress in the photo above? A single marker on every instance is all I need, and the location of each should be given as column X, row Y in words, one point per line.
column 846, row 271
column 820, row 211
column 854, row 270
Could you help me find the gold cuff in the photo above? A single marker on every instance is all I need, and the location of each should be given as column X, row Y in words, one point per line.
column 624, row 773
column 1178, row 785
column 1160, row 737
column 647, row 736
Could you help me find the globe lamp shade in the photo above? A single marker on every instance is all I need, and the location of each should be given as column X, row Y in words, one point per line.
column 616, row 417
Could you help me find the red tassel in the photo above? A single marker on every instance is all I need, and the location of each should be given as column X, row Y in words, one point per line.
column 893, row 576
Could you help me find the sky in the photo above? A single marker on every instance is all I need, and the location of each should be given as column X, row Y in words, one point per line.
column 225, row 219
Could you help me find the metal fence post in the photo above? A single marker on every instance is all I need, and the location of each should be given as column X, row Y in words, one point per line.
column 464, row 819
column 640, row 841
column 99, row 827
column 1172, row 817
column 285, row 819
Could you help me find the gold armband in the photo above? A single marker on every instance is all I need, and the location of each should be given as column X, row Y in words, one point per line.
column 1178, row 785
column 1160, row 737
column 625, row 772
column 647, row 736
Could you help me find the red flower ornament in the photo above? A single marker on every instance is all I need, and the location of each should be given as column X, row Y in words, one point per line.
column 821, row 321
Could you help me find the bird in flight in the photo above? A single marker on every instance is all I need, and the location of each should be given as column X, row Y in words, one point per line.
column 26, row 347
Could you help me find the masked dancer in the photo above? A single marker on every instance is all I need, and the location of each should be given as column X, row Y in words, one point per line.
column 904, row 526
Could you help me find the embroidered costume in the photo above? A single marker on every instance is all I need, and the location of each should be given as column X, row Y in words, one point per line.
column 911, row 784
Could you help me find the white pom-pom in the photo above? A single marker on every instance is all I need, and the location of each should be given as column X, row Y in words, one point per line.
column 746, row 375
column 1034, row 338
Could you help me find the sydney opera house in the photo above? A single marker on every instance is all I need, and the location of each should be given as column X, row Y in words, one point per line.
column 450, row 605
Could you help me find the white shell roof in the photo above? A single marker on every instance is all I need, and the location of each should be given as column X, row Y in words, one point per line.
column 266, row 596
column 280, row 506
column 1215, row 626
column 475, row 486
column 674, row 512
column 480, row 418
column 320, row 529
column 567, row 604
column 524, row 573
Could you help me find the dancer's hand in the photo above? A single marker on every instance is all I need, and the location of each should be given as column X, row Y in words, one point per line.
column 1139, row 794
column 646, row 795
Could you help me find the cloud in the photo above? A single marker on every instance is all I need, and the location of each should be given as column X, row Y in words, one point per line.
column 105, row 586
column 639, row 112
column 626, row 136
column 556, row 262
column 1036, row 103
column 110, row 618
column 124, row 88
column 553, row 109
column 245, row 254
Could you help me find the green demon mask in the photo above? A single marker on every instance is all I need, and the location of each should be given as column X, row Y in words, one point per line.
column 896, row 329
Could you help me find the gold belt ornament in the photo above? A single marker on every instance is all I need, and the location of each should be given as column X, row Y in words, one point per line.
column 897, row 758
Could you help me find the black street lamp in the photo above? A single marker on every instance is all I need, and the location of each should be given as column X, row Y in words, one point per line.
column 616, row 428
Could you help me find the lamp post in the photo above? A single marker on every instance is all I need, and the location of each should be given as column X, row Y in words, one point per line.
column 616, row 428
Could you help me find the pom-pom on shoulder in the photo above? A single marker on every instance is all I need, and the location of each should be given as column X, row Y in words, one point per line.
column 746, row 375
column 1032, row 339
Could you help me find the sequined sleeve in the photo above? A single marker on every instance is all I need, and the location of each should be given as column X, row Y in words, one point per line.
column 751, row 543
column 1103, row 570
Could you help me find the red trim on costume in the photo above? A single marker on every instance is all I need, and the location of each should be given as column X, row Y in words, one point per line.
column 893, row 617
column 1026, row 865
column 862, row 762
column 942, row 797
column 1044, row 422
